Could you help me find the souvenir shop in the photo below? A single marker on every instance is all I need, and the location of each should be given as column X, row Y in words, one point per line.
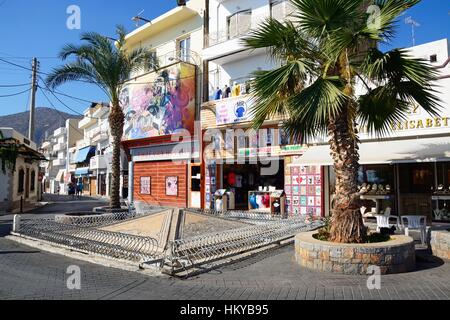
column 250, row 186
column 397, row 177
column 289, row 190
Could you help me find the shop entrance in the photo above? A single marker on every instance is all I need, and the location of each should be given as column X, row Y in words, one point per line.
column 195, row 187
column 246, row 179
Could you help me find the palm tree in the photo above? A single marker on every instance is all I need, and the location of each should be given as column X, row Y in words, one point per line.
column 99, row 61
column 327, row 50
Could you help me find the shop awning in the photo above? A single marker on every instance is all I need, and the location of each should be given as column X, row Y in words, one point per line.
column 84, row 155
column 60, row 175
column 385, row 152
column 82, row 172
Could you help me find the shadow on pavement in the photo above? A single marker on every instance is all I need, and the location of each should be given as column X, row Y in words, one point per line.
column 18, row 252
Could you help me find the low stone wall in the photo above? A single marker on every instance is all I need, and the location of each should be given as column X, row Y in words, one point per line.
column 395, row 256
column 440, row 244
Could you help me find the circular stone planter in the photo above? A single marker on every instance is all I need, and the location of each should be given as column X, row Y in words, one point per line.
column 109, row 210
column 395, row 256
column 440, row 244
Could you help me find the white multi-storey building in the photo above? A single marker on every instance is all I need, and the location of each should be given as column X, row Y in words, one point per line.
column 89, row 161
column 56, row 150
column 229, row 63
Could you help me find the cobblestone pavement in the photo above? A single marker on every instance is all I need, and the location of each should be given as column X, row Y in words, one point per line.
column 27, row 273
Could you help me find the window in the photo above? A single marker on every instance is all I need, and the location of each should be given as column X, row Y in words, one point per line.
column 33, row 178
column 277, row 9
column 280, row 9
column 21, row 181
column 239, row 23
column 433, row 58
column 184, row 49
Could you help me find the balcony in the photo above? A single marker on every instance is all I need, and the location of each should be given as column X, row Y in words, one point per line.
column 221, row 43
column 60, row 132
column 98, row 163
column 83, row 143
column 86, row 122
column 101, row 112
column 59, row 147
column 46, row 145
column 59, row 162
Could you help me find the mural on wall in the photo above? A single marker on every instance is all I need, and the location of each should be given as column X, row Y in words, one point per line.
column 160, row 103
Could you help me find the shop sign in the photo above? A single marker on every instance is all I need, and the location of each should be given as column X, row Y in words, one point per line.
column 234, row 110
column 68, row 178
column 165, row 152
column 275, row 151
column 417, row 122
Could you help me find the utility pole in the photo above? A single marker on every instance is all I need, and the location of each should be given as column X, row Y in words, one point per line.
column 31, row 128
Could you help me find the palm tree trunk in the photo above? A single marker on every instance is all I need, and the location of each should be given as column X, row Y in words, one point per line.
column 116, row 122
column 347, row 223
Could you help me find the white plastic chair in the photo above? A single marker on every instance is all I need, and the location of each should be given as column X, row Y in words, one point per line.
column 383, row 221
column 415, row 223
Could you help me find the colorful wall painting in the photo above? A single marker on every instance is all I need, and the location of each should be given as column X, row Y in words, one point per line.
column 160, row 103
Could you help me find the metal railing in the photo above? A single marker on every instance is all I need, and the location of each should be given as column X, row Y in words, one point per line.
column 87, row 237
column 87, row 234
column 202, row 250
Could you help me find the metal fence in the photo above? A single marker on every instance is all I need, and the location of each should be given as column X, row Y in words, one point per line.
column 85, row 238
column 87, row 235
column 201, row 250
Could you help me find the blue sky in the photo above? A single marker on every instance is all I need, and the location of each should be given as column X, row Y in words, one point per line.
column 38, row 28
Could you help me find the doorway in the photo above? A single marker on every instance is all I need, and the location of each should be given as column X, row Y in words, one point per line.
column 195, row 187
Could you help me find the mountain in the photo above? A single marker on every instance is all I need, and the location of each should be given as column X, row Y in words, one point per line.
column 47, row 120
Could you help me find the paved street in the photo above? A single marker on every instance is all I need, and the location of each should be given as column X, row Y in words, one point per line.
column 27, row 273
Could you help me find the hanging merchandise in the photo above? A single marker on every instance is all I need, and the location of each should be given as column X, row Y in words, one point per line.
column 259, row 201
column 266, row 200
column 253, row 202
column 236, row 91
column 238, row 181
column 232, row 179
column 251, row 179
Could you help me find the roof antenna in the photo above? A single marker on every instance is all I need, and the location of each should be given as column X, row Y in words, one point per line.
column 413, row 23
column 139, row 17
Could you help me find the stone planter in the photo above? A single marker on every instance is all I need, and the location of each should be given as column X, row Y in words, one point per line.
column 395, row 256
column 109, row 210
column 440, row 244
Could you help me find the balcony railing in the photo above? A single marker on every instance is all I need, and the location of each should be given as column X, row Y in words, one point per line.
column 59, row 147
column 222, row 36
column 98, row 163
column 59, row 162
column 60, row 132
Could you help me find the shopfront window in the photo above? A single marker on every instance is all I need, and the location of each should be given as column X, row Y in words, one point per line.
column 441, row 195
column 417, row 182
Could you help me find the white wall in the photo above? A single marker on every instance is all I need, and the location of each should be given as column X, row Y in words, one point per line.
column 239, row 69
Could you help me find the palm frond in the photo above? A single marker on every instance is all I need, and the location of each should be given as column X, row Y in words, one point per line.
column 74, row 71
column 384, row 21
column 271, row 90
column 320, row 18
column 410, row 79
column 311, row 109
column 379, row 109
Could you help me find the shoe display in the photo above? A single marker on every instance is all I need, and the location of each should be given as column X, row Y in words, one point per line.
column 373, row 190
